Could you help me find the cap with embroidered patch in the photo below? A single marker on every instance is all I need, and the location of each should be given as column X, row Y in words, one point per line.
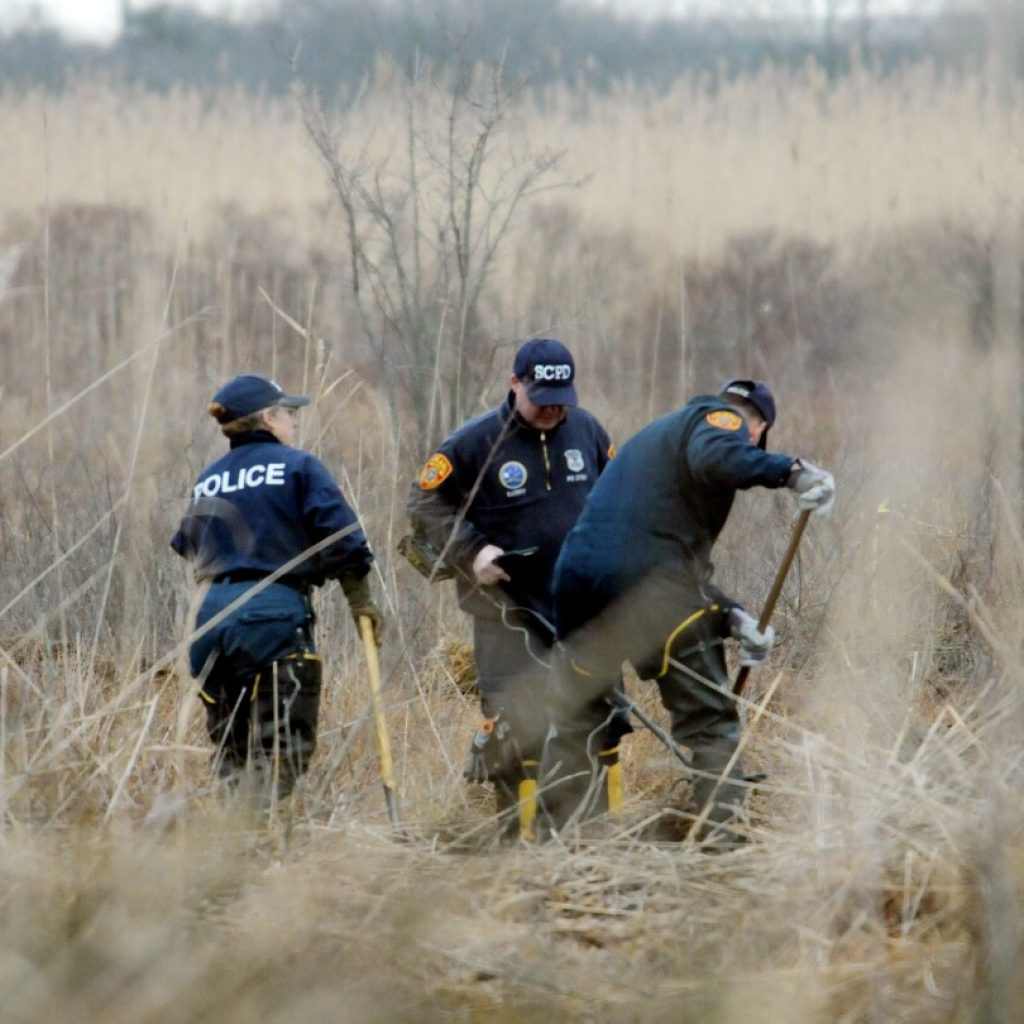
column 548, row 370
column 248, row 393
column 759, row 395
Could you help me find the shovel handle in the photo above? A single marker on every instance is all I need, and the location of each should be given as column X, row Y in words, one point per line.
column 776, row 590
column 387, row 768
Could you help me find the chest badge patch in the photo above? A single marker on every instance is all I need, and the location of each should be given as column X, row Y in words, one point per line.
column 724, row 419
column 512, row 475
column 574, row 460
column 435, row 472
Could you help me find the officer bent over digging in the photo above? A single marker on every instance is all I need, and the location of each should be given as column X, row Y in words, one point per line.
column 264, row 508
column 633, row 583
column 492, row 506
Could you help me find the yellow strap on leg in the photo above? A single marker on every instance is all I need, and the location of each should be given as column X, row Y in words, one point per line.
column 678, row 632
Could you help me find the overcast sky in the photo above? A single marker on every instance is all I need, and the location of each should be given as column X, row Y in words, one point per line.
column 97, row 19
column 101, row 19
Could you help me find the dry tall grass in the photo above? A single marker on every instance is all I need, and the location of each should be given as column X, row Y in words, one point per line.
column 885, row 880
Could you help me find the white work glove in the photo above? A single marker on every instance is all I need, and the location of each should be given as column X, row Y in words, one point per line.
column 484, row 569
column 754, row 644
column 814, row 488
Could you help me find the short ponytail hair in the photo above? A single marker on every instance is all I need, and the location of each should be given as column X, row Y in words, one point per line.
column 253, row 421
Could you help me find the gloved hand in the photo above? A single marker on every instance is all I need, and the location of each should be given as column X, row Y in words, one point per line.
column 484, row 569
column 357, row 592
column 754, row 644
column 815, row 489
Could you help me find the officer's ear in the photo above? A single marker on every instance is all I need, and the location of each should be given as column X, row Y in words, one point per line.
column 756, row 426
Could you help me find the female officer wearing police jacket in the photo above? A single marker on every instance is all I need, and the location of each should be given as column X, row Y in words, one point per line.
column 266, row 508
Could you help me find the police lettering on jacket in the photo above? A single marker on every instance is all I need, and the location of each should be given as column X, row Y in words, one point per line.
column 499, row 481
column 271, row 475
column 263, row 504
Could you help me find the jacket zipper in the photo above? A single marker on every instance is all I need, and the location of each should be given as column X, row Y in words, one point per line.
column 547, row 461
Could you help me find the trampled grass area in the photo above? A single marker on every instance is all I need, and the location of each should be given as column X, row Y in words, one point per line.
column 856, row 244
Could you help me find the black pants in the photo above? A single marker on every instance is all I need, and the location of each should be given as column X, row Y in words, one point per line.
column 670, row 632
column 266, row 719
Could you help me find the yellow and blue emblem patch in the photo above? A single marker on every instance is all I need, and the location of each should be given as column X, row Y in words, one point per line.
column 724, row 420
column 435, row 472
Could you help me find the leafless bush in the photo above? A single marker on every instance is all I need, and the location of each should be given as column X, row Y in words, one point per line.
column 423, row 229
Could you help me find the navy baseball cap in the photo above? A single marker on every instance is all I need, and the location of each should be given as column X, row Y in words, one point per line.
column 547, row 369
column 249, row 393
column 758, row 394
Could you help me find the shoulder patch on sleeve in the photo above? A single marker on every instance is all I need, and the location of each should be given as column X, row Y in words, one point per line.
column 435, row 472
column 724, row 419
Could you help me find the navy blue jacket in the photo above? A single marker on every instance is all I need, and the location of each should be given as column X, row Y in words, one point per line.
column 262, row 504
column 497, row 480
column 661, row 504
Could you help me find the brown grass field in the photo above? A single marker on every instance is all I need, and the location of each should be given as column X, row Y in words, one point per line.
column 857, row 244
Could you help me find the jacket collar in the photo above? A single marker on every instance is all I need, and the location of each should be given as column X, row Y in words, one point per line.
column 253, row 437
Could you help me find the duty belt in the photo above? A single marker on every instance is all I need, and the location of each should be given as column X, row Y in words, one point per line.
column 255, row 575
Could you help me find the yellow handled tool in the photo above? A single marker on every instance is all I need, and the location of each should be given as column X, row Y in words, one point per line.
column 387, row 767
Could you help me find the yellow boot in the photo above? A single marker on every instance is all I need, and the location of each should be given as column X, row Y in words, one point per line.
column 528, row 802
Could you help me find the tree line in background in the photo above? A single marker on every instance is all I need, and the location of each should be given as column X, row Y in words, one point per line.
column 337, row 44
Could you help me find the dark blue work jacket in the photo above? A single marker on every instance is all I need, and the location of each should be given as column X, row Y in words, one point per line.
column 497, row 480
column 661, row 504
column 262, row 504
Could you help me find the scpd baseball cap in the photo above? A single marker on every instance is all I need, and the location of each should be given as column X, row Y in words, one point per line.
column 547, row 369
column 758, row 394
column 249, row 393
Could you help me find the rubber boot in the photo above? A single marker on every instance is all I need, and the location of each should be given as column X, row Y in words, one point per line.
column 717, row 802
column 506, row 808
column 567, row 777
column 286, row 702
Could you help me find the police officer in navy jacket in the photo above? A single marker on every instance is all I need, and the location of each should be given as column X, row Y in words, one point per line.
column 633, row 583
column 514, row 478
column 266, row 508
